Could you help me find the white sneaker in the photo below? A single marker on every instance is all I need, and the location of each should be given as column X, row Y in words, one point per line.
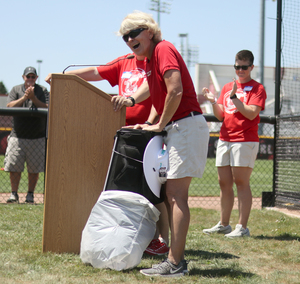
column 220, row 229
column 238, row 232
column 14, row 198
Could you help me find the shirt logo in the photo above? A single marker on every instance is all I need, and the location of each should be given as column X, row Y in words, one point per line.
column 131, row 81
column 229, row 106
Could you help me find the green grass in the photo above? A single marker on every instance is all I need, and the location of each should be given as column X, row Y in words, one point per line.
column 288, row 175
column 261, row 180
column 208, row 185
column 270, row 255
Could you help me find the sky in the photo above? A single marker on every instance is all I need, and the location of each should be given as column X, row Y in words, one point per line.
column 65, row 32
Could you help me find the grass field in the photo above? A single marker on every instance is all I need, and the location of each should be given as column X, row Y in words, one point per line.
column 270, row 255
column 261, row 180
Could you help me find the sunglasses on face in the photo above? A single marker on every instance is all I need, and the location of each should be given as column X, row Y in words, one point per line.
column 30, row 77
column 133, row 34
column 243, row 67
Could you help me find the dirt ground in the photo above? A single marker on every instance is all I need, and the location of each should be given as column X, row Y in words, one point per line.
column 213, row 203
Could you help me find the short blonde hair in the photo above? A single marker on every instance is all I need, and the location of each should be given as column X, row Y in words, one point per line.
column 139, row 19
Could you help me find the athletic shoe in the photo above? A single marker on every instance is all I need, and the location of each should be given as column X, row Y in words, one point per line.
column 14, row 198
column 156, row 247
column 29, row 197
column 185, row 270
column 238, row 232
column 167, row 269
column 220, row 229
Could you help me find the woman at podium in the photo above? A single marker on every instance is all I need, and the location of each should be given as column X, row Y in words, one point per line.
column 175, row 110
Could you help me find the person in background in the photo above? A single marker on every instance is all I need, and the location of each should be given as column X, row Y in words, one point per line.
column 238, row 107
column 128, row 73
column 26, row 142
column 177, row 111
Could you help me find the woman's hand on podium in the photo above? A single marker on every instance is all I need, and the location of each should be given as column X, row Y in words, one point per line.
column 120, row 101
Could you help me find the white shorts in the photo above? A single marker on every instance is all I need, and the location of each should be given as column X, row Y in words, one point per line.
column 236, row 154
column 187, row 145
column 19, row 151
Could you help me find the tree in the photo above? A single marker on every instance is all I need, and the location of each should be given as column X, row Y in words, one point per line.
column 2, row 88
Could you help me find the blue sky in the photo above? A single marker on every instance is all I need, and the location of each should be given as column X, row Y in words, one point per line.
column 64, row 32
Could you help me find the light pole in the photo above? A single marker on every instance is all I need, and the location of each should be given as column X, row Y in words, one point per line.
column 188, row 52
column 184, row 51
column 160, row 7
column 39, row 69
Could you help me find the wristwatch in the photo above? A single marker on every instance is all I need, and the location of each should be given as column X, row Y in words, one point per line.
column 233, row 97
column 133, row 101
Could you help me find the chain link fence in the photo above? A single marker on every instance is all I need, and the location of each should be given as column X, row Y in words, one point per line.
column 290, row 58
column 287, row 136
column 203, row 192
column 287, row 165
column 37, row 119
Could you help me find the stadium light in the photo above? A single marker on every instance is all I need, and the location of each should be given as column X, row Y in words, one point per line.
column 160, row 7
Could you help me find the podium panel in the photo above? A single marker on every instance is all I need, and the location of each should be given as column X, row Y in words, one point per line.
column 81, row 129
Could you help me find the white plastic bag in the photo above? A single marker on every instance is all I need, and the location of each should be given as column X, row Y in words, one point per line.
column 119, row 229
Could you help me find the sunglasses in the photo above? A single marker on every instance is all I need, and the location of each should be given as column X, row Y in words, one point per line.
column 133, row 34
column 243, row 67
column 30, row 77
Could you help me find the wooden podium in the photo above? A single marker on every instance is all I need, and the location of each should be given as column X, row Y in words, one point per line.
column 81, row 129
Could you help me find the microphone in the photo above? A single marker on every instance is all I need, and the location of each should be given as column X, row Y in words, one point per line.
column 130, row 56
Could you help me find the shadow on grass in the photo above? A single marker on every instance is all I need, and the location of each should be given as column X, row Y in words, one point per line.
column 195, row 253
column 222, row 272
column 209, row 255
column 156, row 257
column 282, row 237
column 208, row 273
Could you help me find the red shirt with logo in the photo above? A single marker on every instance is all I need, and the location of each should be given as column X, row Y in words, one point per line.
column 129, row 75
column 236, row 127
column 165, row 57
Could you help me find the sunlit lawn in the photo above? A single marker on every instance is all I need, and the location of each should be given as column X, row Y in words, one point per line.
column 261, row 179
column 270, row 255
